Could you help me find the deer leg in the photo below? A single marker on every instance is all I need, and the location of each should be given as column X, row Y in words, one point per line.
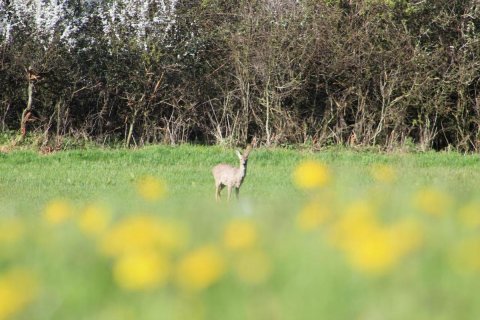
column 229, row 189
column 218, row 188
column 237, row 191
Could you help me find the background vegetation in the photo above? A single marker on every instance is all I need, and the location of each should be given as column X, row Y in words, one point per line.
column 370, row 72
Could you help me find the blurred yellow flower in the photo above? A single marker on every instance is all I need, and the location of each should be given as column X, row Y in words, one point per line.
column 11, row 231
column 373, row 253
column 384, row 246
column 369, row 245
column 18, row 288
column 312, row 216
column 200, row 268
column 252, row 267
column 240, row 235
column 357, row 222
column 383, row 173
column 311, row 174
column 465, row 255
column 94, row 219
column 141, row 232
column 151, row 188
column 57, row 212
column 143, row 270
column 432, row 201
column 360, row 208
column 469, row 215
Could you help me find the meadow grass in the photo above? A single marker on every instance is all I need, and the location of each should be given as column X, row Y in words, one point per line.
column 392, row 243
column 28, row 179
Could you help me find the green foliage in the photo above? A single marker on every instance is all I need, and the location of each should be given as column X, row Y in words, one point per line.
column 363, row 73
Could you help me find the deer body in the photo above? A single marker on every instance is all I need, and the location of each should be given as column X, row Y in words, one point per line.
column 231, row 177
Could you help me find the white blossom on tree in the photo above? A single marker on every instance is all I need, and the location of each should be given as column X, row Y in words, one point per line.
column 123, row 21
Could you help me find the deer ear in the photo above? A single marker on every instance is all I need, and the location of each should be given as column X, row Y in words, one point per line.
column 239, row 155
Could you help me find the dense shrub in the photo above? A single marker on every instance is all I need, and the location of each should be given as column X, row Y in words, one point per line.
column 372, row 72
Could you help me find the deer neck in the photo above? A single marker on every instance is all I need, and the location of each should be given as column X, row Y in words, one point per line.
column 242, row 171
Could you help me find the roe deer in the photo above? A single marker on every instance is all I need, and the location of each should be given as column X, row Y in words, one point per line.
column 230, row 177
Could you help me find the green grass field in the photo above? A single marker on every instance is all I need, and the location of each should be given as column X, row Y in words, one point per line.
column 337, row 234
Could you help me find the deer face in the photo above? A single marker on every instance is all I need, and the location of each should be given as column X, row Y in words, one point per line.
column 243, row 158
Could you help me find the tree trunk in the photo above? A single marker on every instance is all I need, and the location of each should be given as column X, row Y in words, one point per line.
column 26, row 113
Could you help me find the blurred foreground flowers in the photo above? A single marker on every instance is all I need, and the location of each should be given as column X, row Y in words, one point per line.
column 372, row 246
column 57, row 211
column 151, row 189
column 92, row 258
column 432, row 201
column 200, row 268
column 18, row 288
column 141, row 270
column 311, row 174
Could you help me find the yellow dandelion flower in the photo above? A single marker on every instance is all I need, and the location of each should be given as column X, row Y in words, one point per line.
column 11, row 231
column 357, row 222
column 151, row 188
column 469, row 215
column 57, row 212
column 144, row 270
column 311, row 174
column 465, row 255
column 141, row 232
column 312, row 216
column 252, row 267
column 94, row 219
column 18, row 288
column 200, row 268
column 240, row 235
column 373, row 253
column 384, row 173
column 383, row 247
column 369, row 245
column 432, row 201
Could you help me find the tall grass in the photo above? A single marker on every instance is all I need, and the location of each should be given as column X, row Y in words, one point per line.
column 118, row 234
